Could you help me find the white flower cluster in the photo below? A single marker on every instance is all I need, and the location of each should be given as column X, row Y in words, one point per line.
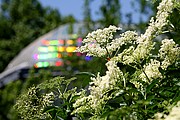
column 169, row 53
column 83, row 104
column 124, row 39
column 47, row 99
column 145, row 44
column 92, row 49
column 96, row 42
column 151, row 71
column 98, row 89
column 101, row 36
column 125, row 56
column 101, row 43
column 155, row 26
column 102, row 84
column 164, row 9
column 154, row 29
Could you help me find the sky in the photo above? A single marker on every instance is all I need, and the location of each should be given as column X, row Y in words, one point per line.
column 75, row 8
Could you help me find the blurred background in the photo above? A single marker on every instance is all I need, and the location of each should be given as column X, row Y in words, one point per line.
column 38, row 37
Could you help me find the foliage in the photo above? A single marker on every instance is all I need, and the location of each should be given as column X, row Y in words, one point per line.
column 87, row 15
column 142, row 77
column 11, row 91
column 31, row 105
column 110, row 13
column 173, row 115
column 7, row 97
column 140, row 96
column 39, row 100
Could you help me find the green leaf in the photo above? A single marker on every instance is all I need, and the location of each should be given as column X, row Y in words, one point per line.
column 149, row 87
column 86, row 73
column 68, row 81
column 49, row 108
column 149, row 98
column 74, row 98
column 52, row 110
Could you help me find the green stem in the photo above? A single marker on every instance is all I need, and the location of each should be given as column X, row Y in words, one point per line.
column 124, row 80
column 108, row 53
column 146, row 75
column 117, row 51
column 145, row 97
column 145, row 94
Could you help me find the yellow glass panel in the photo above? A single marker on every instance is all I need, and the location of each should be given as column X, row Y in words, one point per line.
column 61, row 49
column 70, row 42
column 70, row 49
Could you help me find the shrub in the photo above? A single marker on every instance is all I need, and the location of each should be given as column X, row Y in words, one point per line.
column 141, row 78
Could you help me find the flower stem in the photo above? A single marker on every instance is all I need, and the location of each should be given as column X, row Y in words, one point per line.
column 109, row 56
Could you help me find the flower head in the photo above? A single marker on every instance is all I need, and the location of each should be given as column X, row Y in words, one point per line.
column 169, row 53
column 96, row 42
column 151, row 71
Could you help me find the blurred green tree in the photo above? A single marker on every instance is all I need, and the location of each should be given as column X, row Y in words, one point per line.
column 87, row 15
column 110, row 13
column 22, row 22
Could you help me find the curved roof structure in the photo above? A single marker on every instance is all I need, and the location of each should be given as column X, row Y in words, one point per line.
column 26, row 55
column 45, row 53
column 24, row 60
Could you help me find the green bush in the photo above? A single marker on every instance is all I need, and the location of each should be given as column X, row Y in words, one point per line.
column 141, row 81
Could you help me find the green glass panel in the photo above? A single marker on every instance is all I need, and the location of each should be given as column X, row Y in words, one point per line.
column 54, row 55
column 45, row 64
column 53, row 42
column 40, row 64
column 74, row 36
column 52, row 48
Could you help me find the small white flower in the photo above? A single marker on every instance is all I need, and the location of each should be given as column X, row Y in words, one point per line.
column 98, row 88
column 96, row 42
column 151, row 70
column 169, row 53
column 125, row 38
